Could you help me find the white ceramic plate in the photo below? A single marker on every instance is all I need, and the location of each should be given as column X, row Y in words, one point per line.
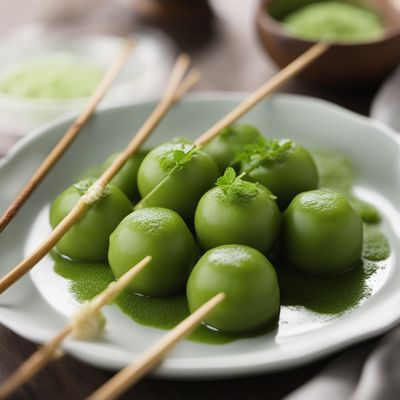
column 39, row 304
column 386, row 104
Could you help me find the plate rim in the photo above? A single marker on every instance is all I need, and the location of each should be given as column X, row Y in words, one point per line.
column 379, row 98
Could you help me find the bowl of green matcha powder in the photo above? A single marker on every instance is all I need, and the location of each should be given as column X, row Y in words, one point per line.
column 364, row 38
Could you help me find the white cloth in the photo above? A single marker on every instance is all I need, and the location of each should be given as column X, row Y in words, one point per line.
column 367, row 372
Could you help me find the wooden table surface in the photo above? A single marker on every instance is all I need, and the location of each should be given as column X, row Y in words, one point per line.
column 227, row 52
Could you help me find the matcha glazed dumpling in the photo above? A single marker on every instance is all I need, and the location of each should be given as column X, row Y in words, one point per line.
column 322, row 234
column 237, row 211
column 87, row 240
column 223, row 148
column 249, row 282
column 126, row 178
column 283, row 166
column 186, row 174
column 162, row 234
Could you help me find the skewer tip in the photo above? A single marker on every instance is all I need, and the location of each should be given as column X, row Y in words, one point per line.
column 130, row 41
column 184, row 58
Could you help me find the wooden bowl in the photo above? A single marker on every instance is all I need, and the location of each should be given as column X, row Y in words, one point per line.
column 344, row 65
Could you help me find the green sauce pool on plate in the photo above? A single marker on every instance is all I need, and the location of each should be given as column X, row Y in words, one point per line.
column 337, row 173
column 334, row 21
column 325, row 297
column 336, row 295
column 87, row 280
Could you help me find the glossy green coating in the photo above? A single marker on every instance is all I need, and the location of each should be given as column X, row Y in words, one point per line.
column 87, row 239
column 249, row 282
column 223, row 148
column 287, row 177
column 322, row 234
column 126, row 178
column 182, row 190
column 254, row 222
column 162, row 234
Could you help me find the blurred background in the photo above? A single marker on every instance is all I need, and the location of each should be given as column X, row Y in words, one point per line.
column 237, row 45
column 220, row 35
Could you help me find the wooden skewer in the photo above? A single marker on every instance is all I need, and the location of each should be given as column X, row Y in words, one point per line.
column 120, row 382
column 47, row 352
column 93, row 193
column 192, row 78
column 70, row 135
column 267, row 88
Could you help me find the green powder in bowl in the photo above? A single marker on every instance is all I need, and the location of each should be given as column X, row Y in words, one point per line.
column 51, row 76
column 335, row 21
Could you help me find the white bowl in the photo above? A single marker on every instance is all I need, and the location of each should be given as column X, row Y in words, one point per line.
column 39, row 304
column 141, row 77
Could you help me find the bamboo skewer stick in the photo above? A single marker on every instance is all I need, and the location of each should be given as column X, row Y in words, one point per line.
column 166, row 102
column 47, row 352
column 173, row 89
column 192, row 78
column 267, row 88
column 70, row 135
column 127, row 377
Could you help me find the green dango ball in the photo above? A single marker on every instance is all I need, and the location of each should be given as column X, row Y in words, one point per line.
column 126, row 178
column 223, row 148
column 239, row 212
column 87, row 239
column 190, row 174
column 162, row 234
column 249, row 282
column 322, row 233
column 288, row 169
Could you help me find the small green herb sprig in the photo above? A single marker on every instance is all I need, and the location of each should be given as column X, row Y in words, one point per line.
column 171, row 161
column 235, row 189
column 263, row 151
column 177, row 158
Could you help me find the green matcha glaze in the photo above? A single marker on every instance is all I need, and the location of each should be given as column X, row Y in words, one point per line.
column 52, row 76
column 175, row 175
column 376, row 246
column 249, row 282
column 87, row 239
column 229, row 142
column 166, row 313
column 337, row 173
column 322, row 234
column 335, row 294
column 239, row 212
column 88, row 280
column 325, row 295
column 162, row 234
column 291, row 172
column 334, row 21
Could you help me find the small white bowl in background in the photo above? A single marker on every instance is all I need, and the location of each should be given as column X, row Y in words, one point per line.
column 143, row 75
